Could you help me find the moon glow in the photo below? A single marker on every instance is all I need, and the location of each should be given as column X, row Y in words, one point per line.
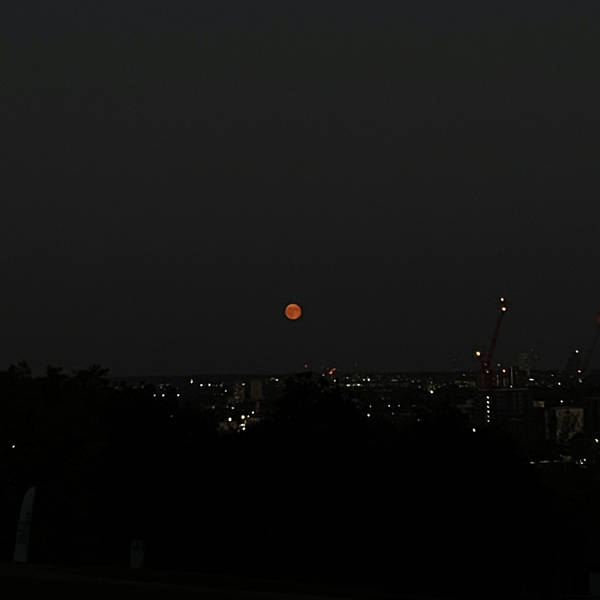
column 293, row 312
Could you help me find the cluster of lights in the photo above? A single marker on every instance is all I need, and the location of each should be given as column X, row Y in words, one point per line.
column 503, row 306
column 243, row 420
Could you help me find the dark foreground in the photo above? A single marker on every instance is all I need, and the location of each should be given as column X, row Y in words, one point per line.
column 315, row 492
column 33, row 580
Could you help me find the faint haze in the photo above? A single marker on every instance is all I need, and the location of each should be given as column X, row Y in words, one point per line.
column 173, row 175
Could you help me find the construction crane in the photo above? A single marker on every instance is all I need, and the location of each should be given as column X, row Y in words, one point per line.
column 486, row 374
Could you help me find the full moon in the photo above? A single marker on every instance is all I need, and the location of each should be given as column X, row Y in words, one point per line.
column 293, row 312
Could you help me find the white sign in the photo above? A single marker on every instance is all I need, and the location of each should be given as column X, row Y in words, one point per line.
column 137, row 554
column 24, row 527
column 569, row 422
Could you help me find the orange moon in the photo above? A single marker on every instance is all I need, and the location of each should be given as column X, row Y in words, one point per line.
column 293, row 312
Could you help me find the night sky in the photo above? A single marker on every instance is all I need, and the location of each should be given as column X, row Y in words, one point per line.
column 173, row 173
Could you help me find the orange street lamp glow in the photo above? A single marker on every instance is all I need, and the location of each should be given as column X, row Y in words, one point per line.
column 293, row 312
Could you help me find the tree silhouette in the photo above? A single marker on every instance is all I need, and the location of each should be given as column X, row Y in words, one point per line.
column 92, row 377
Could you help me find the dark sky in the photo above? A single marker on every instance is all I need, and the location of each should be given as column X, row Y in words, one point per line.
column 174, row 172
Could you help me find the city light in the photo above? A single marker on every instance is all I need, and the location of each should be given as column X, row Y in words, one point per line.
column 279, row 190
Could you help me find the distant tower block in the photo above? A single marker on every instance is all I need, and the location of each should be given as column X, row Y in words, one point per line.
column 525, row 362
column 239, row 393
column 256, row 390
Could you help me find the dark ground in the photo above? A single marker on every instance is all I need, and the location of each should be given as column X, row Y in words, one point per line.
column 92, row 583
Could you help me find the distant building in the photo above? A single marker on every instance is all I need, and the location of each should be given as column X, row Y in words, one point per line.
column 527, row 362
column 513, row 410
column 239, row 393
column 256, row 390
